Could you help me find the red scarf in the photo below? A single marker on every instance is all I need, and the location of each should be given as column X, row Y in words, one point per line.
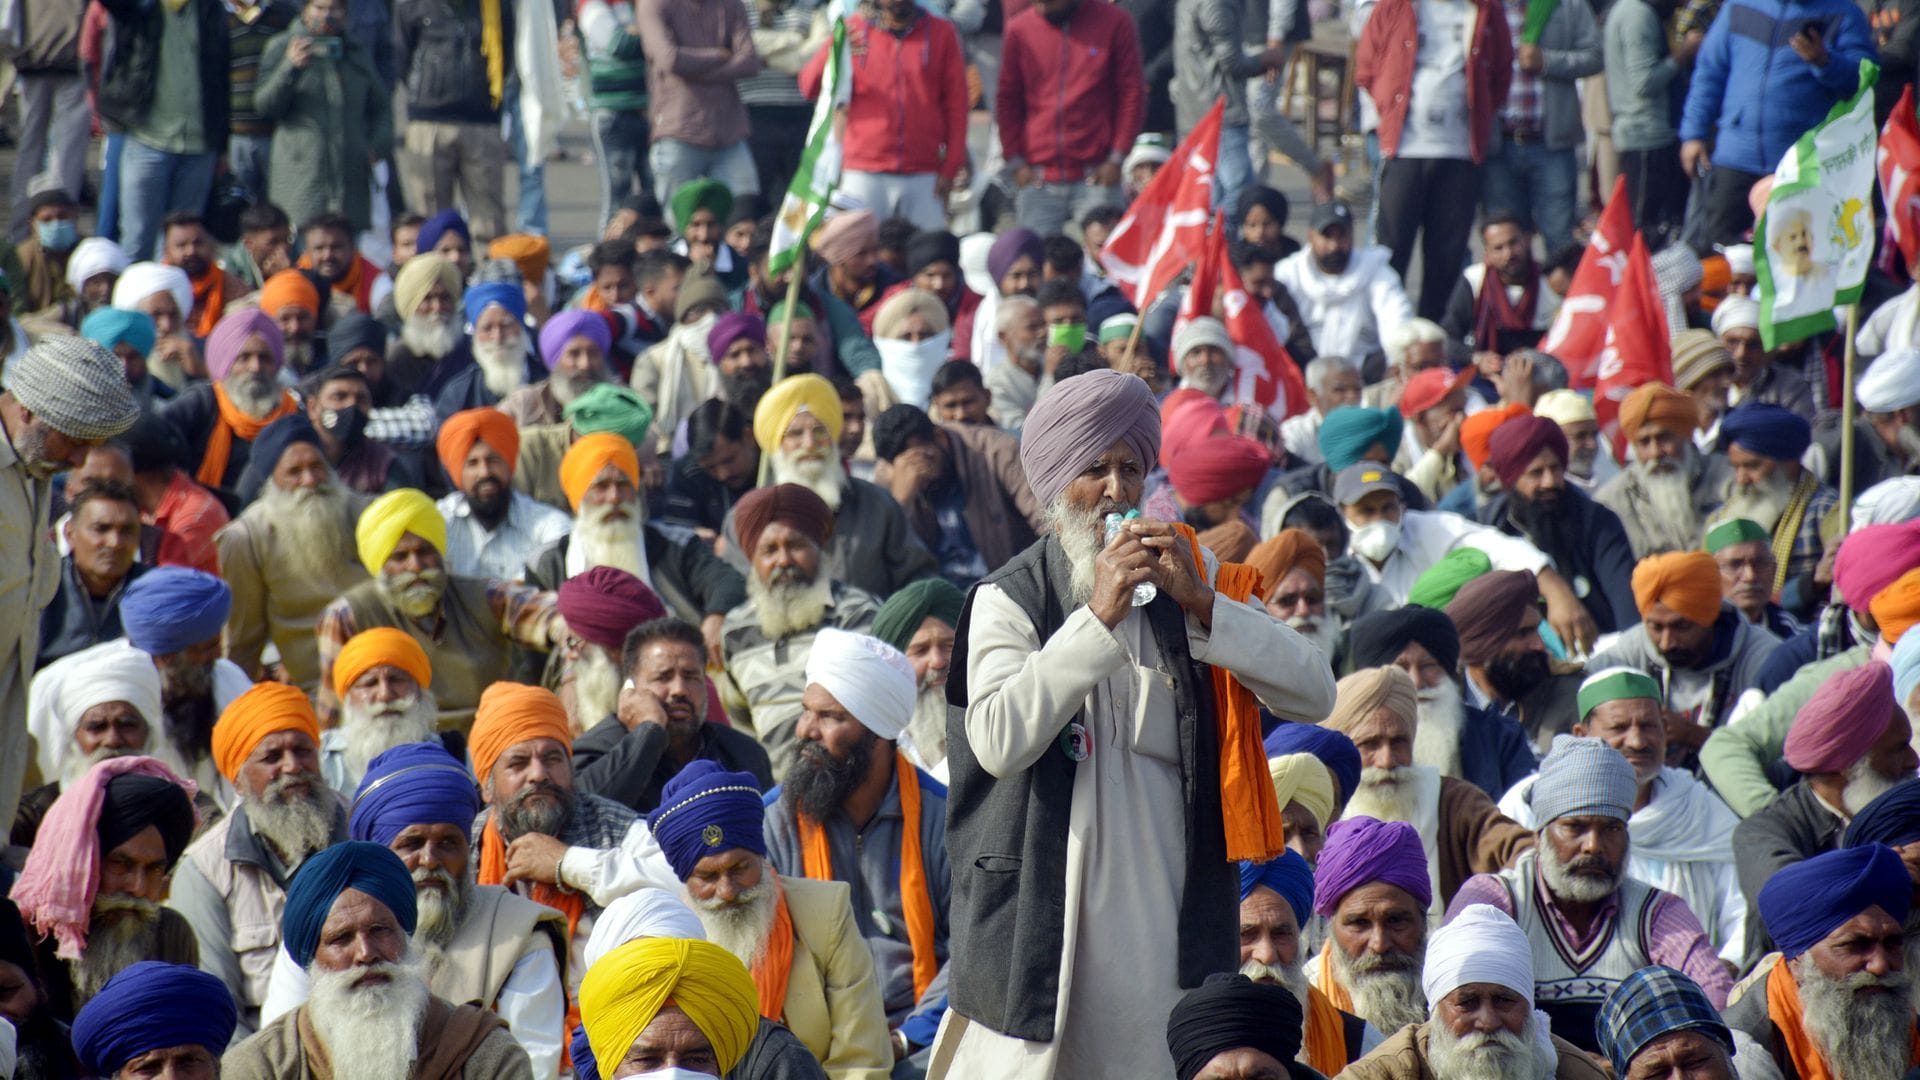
column 1493, row 312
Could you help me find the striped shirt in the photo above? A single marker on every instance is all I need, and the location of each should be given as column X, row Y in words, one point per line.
column 248, row 30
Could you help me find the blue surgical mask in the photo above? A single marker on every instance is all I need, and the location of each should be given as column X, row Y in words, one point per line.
column 58, row 236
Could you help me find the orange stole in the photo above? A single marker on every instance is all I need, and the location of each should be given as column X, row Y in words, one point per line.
column 357, row 282
column 1330, row 987
column 915, row 897
column 230, row 422
column 775, row 962
column 1326, row 1033
column 1784, row 1009
column 210, row 296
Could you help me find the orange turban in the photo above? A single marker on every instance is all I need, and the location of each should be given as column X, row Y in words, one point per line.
column 382, row 646
column 267, row 709
column 463, row 429
column 1277, row 557
column 509, row 714
column 1897, row 607
column 592, row 453
column 528, row 252
column 1477, row 430
column 1686, row 581
column 1660, row 404
column 289, row 288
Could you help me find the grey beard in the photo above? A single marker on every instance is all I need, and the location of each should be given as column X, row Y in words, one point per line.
column 373, row 729
column 1582, row 886
column 1291, row 976
column 1208, row 380
column 1385, row 989
column 440, row 910
column 1083, row 535
column 1436, row 738
column 823, row 476
column 1864, row 785
column 788, row 609
column 418, row 595
column 370, row 1032
column 1672, row 522
column 431, row 336
column 295, row 828
column 1323, row 632
column 1490, row 1055
column 181, row 679
column 1387, row 794
column 606, row 540
column 313, row 531
column 1862, row 1035
column 741, row 926
column 503, row 366
column 122, row 931
column 255, row 395
column 596, row 686
column 167, row 368
column 565, row 388
column 298, row 355
column 927, row 727
column 517, row 819
column 1761, row 503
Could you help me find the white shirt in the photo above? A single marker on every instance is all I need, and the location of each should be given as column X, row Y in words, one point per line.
column 1346, row 314
column 1436, row 125
column 1301, row 435
column 502, row 554
column 1425, row 538
column 1891, row 326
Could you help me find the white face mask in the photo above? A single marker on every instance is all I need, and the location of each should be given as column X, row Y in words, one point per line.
column 1376, row 539
column 674, row 1073
column 909, row 365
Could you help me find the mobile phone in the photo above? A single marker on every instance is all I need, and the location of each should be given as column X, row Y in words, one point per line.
column 328, row 48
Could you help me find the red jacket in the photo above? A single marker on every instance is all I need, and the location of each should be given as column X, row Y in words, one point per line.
column 1070, row 95
column 1384, row 61
column 909, row 99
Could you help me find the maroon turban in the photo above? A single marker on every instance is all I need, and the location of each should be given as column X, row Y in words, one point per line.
column 1362, row 850
column 601, row 605
column 1515, row 444
column 1487, row 611
column 1213, row 469
column 1079, row 420
column 789, row 504
column 1842, row 721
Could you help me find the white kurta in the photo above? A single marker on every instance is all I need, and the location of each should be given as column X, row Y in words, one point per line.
column 1126, row 848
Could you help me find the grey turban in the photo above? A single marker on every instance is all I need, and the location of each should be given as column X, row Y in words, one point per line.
column 1585, row 777
column 1078, row 420
column 76, row 386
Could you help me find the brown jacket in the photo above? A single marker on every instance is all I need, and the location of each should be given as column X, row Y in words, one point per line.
column 466, row 1043
column 1001, row 512
column 1475, row 837
column 1404, row 1057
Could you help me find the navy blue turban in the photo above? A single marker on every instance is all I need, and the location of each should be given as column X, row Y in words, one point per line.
column 170, row 609
column 269, row 447
column 1289, row 875
column 152, row 1006
column 415, row 784
column 350, row 864
column 1767, row 430
column 705, row 810
column 1801, row 904
column 440, row 224
column 584, row 1067
column 1892, row 819
column 1333, row 748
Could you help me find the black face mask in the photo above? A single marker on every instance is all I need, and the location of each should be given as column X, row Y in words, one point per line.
column 1515, row 675
column 348, row 426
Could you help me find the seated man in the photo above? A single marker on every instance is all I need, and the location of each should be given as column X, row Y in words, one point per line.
column 1504, row 661
column 1332, row 381
column 962, row 489
column 853, row 809
column 1276, row 900
column 185, row 242
column 1373, row 888
column 1351, row 301
column 97, row 704
column 1234, row 1027
column 1770, row 486
column 1432, row 457
column 381, row 679
column 243, row 395
column 663, row 1005
column 919, row 620
column 349, row 922
column 1658, row 1021
column 1664, row 494
column 155, row 1019
column 1572, row 890
column 102, row 531
column 430, row 347
column 1748, row 569
column 1293, row 587
column 232, row 887
column 710, row 824
column 1210, row 481
column 1589, row 463
column 575, row 346
column 1518, row 309
column 174, row 615
column 502, row 359
column 330, row 254
column 96, row 878
column 493, row 528
column 339, row 402
column 465, row 624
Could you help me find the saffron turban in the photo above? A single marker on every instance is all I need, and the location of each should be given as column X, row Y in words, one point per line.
column 1362, row 850
column 1653, row 1002
column 1430, row 388
column 150, row 1006
column 1872, row 559
column 1582, row 778
column 267, row 709
column 230, row 335
column 459, row 432
column 643, row 913
column 702, row 194
column 110, row 326
column 705, row 810
column 389, row 518
column 1897, row 607
column 1290, row 548
column 789, row 504
column 589, row 456
column 529, row 253
column 1377, row 639
column 415, row 784
column 1476, row 430
column 1563, row 407
column 169, row 609
column 604, row 603
column 509, row 714
column 628, row 987
column 847, row 234
column 1213, row 469
column 1686, row 581
column 1230, row 1011
column 1906, row 668
column 1892, row 818
column 612, row 408
column 143, row 279
column 900, row 617
column 1480, row 944
column 1512, row 447
column 868, row 677
column 564, row 326
column 437, row 226
column 1892, row 500
column 1804, row 902
column 1009, row 247
column 1488, row 611
column 350, row 864
column 1768, row 430
column 1358, row 696
column 382, row 646
column 731, row 327
column 1079, row 420
column 417, row 278
column 1663, row 407
column 1347, row 433
column 1303, row 779
column 1287, row 874
column 511, row 297
column 1330, row 748
column 1438, row 584
column 789, row 398
column 289, row 288
column 1842, row 720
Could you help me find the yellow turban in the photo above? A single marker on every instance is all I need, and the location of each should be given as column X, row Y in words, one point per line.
column 267, row 709
column 628, row 987
column 509, row 714
column 781, row 404
column 1686, row 581
column 392, row 516
column 1359, row 695
column 590, row 456
column 416, row 279
column 383, row 646
column 1896, row 608
column 1303, row 779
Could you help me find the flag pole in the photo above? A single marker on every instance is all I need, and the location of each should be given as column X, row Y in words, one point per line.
column 786, row 342
column 1846, row 419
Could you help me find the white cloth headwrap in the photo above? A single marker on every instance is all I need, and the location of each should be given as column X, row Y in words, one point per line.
column 64, row 690
column 648, row 913
column 1482, row 944
column 1891, row 382
column 143, row 279
column 868, row 677
column 1739, row 259
column 1888, row 502
column 96, row 255
column 1736, row 313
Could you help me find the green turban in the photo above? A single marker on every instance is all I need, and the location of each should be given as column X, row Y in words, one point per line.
column 905, row 610
column 1435, row 588
column 611, row 407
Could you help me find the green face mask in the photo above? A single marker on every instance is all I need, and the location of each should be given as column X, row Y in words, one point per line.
column 1070, row 336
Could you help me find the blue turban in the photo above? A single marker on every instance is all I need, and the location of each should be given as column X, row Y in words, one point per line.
column 584, row 1067
column 109, row 326
column 270, row 446
column 705, row 810
column 1906, row 668
column 1767, row 430
column 505, row 294
column 169, row 609
column 350, row 864
column 432, row 229
column 1332, row 748
column 1289, row 875
column 152, row 1006
column 1801, row 904
column 1347, row 432
column 415, row 784
column 1892, row 819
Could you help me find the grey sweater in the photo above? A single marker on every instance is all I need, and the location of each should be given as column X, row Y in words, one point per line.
column 1640, row 76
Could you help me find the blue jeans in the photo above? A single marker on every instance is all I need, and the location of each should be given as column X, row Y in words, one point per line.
column 247, row 157
column 107, row 214
column 674, row 163
column 153, row 184
column 1233, row 169
column 532, row 212
column 1538, row 184
column 620, row 150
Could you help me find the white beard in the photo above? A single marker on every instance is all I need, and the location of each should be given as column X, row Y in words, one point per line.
column 441, row 910
column 78, row 763
column 1584, row 888
column 371, row 730
column 1082, row 536
column 605, row 540
column 742, row 926
column 432, row 336
column 1674, row 524
column 1323, row 632
column 166, row 367
column 1389, row 998
column 1291, row 976
column 313, row 532
column 295, row 828
column 1491, row 1055
column 596, row 686
column 1436, row 739
column 823, row 476
column 1761, row 503
column 370, row 1032
column 789, row 609
column 503, row 366
column 1863, row 1036
column 927, row 727
column 1387, row 794
column 1863, row 786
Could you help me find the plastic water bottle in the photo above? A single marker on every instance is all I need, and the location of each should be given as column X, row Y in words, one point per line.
column 1144, row 592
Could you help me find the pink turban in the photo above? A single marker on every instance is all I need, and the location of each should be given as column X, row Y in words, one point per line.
column 223, row 345
column 844, row 235
column 1213, row 469
column 1363, row 850
column 1843, row 719
column 1874, row 558
column 1190, row 421
column 1514, row 444
column 1079, row 420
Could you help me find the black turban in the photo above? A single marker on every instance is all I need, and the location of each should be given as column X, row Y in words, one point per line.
column 15, row 947
column 926, row 248
column 1376, row 640
column 133, row 802
column 1230, row 1011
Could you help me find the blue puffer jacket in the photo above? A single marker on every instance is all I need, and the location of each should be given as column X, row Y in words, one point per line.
column 1753, row 95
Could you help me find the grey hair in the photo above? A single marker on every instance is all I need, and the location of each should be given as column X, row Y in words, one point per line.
column 1320, row 369
column 1548, row 372
column 1412, row 332
column 1010, row 307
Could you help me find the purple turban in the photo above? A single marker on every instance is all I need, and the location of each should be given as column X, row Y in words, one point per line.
column 604, row 603
column 1363, row 850
column 1008, row 248
column 567, row 325
column 730, row 328
column 1078, row 420
column 1516, row 442
column 223, row 345
column 1843, row 719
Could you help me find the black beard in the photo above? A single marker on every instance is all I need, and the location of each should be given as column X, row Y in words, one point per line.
column 819, row 785
column 189, row 724
column 516, row 820
column 1334, row 263
column 1515, row 675
column 745, row 387
column 195, row 266
column 492, row 508
column 1545, row 522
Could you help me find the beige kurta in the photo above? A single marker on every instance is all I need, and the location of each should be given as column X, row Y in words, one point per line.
column 29, row 577
column 273, row 606
column 1126, row 853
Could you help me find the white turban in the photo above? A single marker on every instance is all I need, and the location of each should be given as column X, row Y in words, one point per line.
column 647, row 913
column 1891, row 382
column 1736, row 313
column 868, row 677
column 64, row 690
column 1739, row 259
column 143, row 279
column 1564, row 407
column 1888, row 502
column 1482, row 944
column 95, row 255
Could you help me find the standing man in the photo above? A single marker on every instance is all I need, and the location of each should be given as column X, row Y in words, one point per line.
column 455, row 59
column 695, row 53
column 1640, row 73
column 329, row 115
column 1209, row 63
column 53, row 105
column 1053, row 658
column 1533, row 173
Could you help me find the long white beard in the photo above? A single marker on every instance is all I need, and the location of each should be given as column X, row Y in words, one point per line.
column 431, row 336
column 296, row 828
column 78, row 764
column 121, row 932
column 1491, row 1055
column 312, row 531
column 740, row 927
column 609, row 540
column 1323, row 632
column 1863, row 786
column 1761, row 503
column 824, row 476
column 927, row 727
column 1675, row 523
column 1863, row 1036
column 440, row 913
column 1436, row 739
column 1082, row 536
column 502, row 365
column 370, row 1032
column 596, row 686
column 1387, row 794
column 789, row 609
column 371, row 730
column 1385, row 989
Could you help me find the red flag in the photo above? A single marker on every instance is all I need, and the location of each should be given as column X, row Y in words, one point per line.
column 1579, row 331
column 1265, row 374
column 1205, row 283
column 1899, row 166
column 1162, row 232
column 1637, row 349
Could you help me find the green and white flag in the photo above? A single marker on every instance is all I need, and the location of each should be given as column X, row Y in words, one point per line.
column 805, row 205
column 1818, row 222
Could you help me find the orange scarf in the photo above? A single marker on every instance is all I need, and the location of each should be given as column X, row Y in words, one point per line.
column 493, row 871
column 357, row 282
column 209, row 299
column 232, row 422
column 775, row 962
column 915, row 897
column 1326, row 1033
column 1784, row 1009
column 1248, row 807
column 1330, row 987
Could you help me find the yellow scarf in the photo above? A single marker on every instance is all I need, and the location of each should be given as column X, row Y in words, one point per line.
column 493, row 46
